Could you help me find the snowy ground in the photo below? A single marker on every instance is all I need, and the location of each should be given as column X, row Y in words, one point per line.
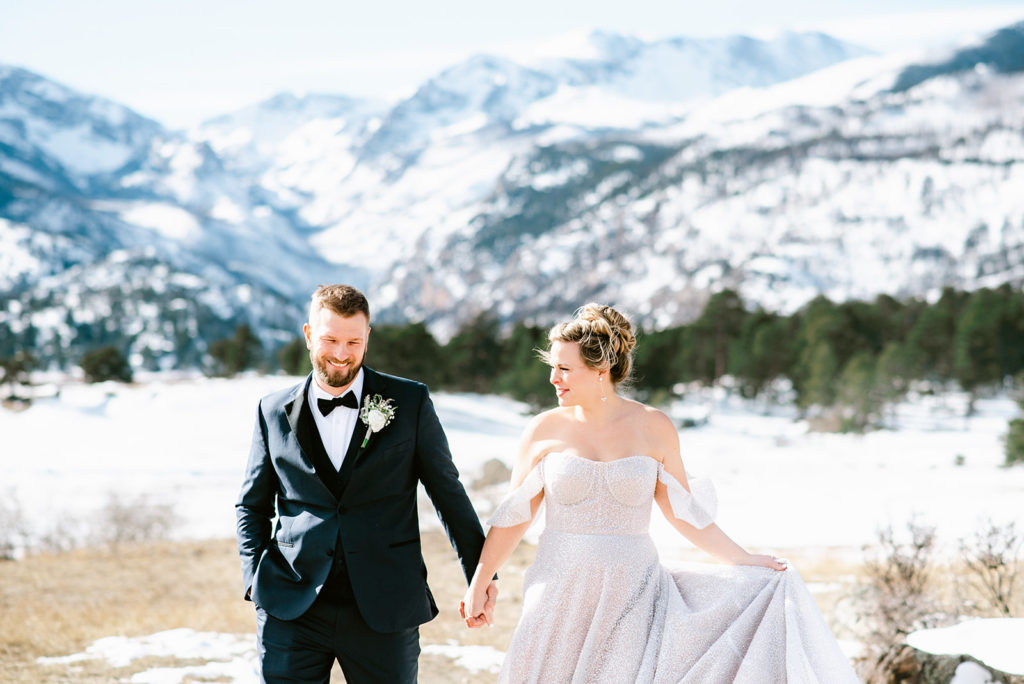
column 184, row 442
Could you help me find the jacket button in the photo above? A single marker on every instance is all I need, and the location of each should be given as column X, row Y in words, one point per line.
column 342, row 509
column 330, row 552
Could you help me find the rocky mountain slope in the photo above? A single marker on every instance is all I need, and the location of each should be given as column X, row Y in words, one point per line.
column 642, row 174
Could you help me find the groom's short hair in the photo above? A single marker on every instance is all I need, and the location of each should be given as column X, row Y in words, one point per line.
column 343, row 300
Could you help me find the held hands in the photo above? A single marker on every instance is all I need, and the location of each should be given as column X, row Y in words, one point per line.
column 477, row 607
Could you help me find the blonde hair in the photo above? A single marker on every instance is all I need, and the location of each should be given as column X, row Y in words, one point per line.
column 605, row 337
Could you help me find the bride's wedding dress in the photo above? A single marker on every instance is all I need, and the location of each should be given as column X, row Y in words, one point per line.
column 599, row 607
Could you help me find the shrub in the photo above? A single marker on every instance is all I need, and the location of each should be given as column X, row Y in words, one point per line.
column 897, row 599
column 13, row 527
column 64, row 533
column 1015, row 442
column 992, row 557
column 15, row 373
column 126, row 522
column 106, row 363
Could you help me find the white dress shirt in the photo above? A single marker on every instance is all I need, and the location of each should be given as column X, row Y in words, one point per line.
column 336, row 428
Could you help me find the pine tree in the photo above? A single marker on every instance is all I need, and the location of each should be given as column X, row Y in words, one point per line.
column 856, row 392
column 294, row 357
column 976, row 354
column 712, row 334
column 473, row 355
column 658, row 362
column 819, row 388
column 1011, row 331
column 237, row 353
column 763, row 352
column 409, row 351
column 816, row 365
column 893, row 373
column 524, row 376
column 930, row 340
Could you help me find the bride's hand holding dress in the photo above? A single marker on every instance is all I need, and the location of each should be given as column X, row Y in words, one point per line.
column 709, row 538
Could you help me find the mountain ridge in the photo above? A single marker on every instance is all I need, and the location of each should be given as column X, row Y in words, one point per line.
column 501, row 187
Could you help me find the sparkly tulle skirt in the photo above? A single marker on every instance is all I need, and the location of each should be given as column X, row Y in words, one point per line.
column 598, row 606
column 601, row 608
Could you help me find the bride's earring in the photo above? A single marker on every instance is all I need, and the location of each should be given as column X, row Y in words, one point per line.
column 601, row 380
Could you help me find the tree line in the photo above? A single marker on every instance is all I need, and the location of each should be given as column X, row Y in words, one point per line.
column 849, row 360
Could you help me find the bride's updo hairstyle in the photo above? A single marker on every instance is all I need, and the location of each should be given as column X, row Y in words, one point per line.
column 605, row 337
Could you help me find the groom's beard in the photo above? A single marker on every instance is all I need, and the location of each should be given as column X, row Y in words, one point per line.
column 332, row 376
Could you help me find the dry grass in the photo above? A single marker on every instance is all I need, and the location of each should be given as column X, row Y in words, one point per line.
column 55, row 605
column 58, row 604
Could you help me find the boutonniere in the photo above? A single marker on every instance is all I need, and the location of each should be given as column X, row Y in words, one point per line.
column 376, row 413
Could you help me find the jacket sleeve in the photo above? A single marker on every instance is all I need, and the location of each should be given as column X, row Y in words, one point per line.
column 255, row 508
column 440, row 479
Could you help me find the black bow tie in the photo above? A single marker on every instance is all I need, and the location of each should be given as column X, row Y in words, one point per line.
column 327, row 405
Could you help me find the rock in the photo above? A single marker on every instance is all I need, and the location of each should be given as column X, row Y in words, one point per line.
column 906, row 667
column 911, row 666
column 494, row 472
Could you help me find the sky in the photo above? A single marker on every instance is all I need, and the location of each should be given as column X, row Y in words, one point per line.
column 182, row 61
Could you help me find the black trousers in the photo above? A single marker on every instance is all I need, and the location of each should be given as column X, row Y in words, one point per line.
column 304, row 649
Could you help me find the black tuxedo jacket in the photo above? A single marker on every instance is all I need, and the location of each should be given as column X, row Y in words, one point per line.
column 367, row 511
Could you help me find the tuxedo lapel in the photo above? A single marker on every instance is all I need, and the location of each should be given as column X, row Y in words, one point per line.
column 356, row 451
column 300, row 417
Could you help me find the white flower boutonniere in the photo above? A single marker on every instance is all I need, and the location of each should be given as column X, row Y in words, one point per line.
column 376, row 414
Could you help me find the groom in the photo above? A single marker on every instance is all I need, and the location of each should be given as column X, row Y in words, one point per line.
column 339, row 574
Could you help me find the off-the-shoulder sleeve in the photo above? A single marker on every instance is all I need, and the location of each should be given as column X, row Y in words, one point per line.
column 514, row 509
column 697, row 506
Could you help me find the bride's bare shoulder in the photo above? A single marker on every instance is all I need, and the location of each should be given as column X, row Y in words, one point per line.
column 546, row 422
column 541, row 436
column 649, row 417
column 660, row 432
column 658, row 419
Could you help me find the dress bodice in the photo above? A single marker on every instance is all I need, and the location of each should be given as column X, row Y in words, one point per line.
column 599, row 497
column 584, row 496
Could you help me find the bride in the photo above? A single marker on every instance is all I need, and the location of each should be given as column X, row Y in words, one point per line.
column 597, row 604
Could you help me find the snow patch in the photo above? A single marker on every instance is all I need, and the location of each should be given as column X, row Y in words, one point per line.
column 472, row 658
column 226, row 210
column 595, row 107
column 970, row 672
column 165, row 219
column 232, row 656
column 994, row 641
column 81, row 151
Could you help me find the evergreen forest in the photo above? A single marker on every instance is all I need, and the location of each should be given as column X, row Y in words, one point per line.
column 847, row 361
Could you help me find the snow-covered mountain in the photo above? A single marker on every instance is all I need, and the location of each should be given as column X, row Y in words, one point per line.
column 113, row 229
column 385, row 185
column 851, row 181
column 646, row 174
